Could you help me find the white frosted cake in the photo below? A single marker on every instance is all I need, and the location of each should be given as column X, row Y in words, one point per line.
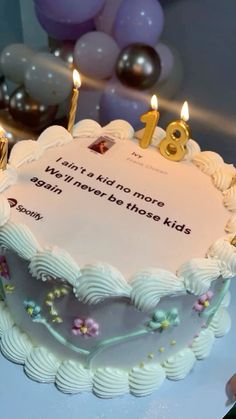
column 116, row 262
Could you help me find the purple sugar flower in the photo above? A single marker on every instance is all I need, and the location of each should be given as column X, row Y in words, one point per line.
column 85, row 327
column 4, row 270
column 203, row 302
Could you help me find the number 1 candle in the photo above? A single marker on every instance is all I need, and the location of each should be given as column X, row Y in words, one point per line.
column 151, row 119
column 74, row 100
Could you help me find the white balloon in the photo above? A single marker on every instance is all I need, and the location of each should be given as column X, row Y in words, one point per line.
column 14, row 61
column 95, row 55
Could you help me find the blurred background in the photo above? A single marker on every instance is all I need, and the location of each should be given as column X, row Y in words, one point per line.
column 125, row 50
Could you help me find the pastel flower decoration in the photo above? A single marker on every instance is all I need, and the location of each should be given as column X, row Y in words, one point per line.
column 4, row 270
column 203, row 302
column 162, row 320
column 32, row 309
column 85, row 327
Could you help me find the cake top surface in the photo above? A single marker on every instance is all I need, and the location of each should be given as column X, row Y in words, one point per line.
column 104, row 199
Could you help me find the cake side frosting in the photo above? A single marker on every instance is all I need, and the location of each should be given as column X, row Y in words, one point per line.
column 161, row 302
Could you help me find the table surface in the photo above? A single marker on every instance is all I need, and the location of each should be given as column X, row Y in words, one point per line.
column 200, row 394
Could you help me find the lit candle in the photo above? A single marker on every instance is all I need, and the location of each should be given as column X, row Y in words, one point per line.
column 3, row 149
column 151, row 119
column 173, row 146
column 74, row 100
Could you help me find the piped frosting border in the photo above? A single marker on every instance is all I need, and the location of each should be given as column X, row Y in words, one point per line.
column 94, row 283
column 71, row 377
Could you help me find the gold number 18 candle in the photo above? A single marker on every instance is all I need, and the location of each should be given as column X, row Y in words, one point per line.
column 151, row 119
column 173, row 146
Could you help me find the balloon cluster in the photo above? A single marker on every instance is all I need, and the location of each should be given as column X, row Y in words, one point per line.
column 113, row 43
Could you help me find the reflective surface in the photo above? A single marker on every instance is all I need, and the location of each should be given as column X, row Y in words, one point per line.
column 29, row 112
column 4, row 94
column 139, row 66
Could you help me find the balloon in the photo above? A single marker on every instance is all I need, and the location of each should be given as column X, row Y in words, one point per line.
column 169, row 88
column 138, row 66
column 70, row 11
column 118, row 102
column 47, row 79
column 14, row 60
column 31, row 113
column 105, row 19
column 138, row 21
column 63, row 30
column 66, row 52
column 4, row 95
column 89, row 104
column 167, row 60
column 96, row 54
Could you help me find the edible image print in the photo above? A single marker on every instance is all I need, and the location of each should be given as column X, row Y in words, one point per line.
column 102, row 145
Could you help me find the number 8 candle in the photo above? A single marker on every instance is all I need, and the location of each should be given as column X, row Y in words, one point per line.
column 151, row 119
column 173, row 146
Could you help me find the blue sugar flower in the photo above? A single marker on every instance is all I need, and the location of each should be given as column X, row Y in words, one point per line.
column 32, row 309
column 162, row 320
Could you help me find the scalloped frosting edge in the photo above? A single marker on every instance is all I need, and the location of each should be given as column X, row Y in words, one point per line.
column 95, row 283
column 71, row 377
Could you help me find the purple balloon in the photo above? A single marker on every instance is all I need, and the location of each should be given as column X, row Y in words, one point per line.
column 63, row 31
column 139, row 21
column 70, row 11
column 118, row 102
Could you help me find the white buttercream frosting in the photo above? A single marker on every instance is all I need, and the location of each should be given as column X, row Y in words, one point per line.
column 25, row 152
column 41, row 365
column 193, row 148
column 73, row 378
column 222, row 177
column 223, row 250
column 19, row 238
column 144, row 380
column 150, row 285
column 52, row 263
column 110, row 382
column 229, row 199
column 100, row 281
column 208, row 161
column 8, row 177
column 202, row 344
column 220, row 323
column 198, row 274
column 15, row 345
column 118, row 129
column 4, row 210
column 231, row 225
column 6, row 321
column 54, row 136
column 179, row 365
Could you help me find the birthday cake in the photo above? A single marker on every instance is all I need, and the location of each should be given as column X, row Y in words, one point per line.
column 116, row 262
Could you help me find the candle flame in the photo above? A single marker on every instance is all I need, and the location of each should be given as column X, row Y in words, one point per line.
column 76, row 79
column 2, row 131
column 154, row 102
column 185, row 112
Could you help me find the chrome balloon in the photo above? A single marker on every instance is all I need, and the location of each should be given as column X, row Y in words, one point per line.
column 33, row 114
column 138, row 66
column 4, row 95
